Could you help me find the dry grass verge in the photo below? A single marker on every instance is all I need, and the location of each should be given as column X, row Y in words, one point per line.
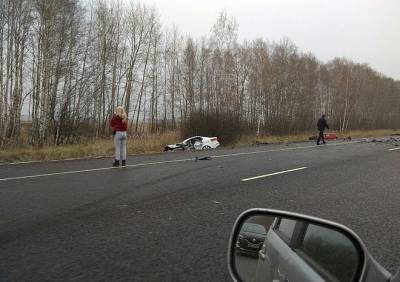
column 252, row 140
column 151, row 143
column 102, row 147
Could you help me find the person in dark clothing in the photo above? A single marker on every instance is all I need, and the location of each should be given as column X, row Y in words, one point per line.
column 321, row 124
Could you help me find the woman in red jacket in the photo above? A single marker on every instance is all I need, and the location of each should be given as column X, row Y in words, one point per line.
column 119, row 124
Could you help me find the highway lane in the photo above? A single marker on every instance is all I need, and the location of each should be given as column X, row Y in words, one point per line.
column 171, row 221
column 39, row 168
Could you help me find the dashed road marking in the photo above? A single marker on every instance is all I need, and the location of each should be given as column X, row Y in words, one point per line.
column 272, row 174
column 394, row 149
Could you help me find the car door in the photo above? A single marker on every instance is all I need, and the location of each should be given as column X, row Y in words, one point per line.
column 330, row 253
column 278, row 261
column 189, row 142
column 198, row 142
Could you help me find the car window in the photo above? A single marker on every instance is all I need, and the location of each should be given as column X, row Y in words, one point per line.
column 331, row 252
column 254, row 228
column 286, row 227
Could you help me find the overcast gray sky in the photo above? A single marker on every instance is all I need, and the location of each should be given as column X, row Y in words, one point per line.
column 366, row 31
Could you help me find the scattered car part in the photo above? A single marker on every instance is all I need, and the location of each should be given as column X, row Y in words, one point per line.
column 392, row 140
column 202, row 159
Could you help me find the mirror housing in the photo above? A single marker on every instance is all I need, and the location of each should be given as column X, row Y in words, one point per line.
column 396, row 277
column 367, row 268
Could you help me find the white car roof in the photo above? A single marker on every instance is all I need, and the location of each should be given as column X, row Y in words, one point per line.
column 193, row 137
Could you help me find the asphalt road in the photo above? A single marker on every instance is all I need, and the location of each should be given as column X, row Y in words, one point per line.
column 167, row 217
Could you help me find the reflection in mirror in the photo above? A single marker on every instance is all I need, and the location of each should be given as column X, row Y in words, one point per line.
column 270, row 248
column 249, row 242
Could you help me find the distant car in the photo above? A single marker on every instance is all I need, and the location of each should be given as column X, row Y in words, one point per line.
column 251, row 239
column 330, row 136
column 194, row 143
column 327, row 136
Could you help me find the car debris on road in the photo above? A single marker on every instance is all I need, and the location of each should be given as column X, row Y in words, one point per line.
column 202, row 159
column 393, row 140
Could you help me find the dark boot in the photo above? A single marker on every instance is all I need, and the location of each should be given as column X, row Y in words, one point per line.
column 115, row 163
column 123, row 162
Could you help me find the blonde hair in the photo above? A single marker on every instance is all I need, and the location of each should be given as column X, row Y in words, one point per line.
column 120, row 112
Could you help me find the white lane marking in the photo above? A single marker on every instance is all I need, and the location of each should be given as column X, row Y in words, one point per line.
column 60, row 160
column 220, row 156
column 284, row 149
column 89, row 170
column 165, row 162
column 271, row 174
column 394, row 149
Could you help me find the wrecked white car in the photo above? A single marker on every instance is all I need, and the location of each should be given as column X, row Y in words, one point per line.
column 194, row 143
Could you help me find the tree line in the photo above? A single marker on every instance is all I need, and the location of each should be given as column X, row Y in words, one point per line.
column 67, row 64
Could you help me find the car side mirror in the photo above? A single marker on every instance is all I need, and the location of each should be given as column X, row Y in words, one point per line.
column 271, row 245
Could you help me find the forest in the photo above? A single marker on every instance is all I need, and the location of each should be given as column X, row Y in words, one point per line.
column 66, row 64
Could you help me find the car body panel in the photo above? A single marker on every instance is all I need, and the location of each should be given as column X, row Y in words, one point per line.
column 281, row 263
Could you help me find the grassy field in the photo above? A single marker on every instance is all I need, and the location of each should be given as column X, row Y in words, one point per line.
column 149, row 144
